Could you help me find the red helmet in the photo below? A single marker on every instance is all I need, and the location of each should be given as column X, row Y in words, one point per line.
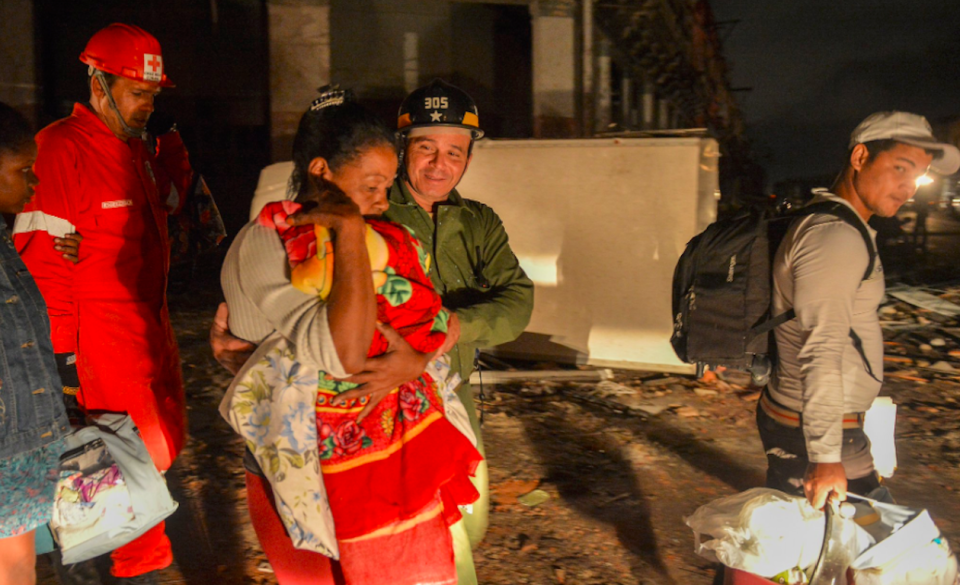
column 127, row 51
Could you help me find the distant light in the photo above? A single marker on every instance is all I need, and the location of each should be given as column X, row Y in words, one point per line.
column 924, row 180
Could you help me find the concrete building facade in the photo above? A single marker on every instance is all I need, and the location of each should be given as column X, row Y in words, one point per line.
column 246, row 69
column 537, row 68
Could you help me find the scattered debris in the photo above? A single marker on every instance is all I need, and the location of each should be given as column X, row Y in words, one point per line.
column 656, row 382
column 943, row 366
column 925, row 300
column 509, row 491
column 651, row 408
column 498, row 377
column 534, row 498
column 560, row 575
column 611, row 388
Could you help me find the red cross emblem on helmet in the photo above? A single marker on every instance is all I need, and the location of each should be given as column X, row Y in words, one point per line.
column 128, row 51
column 152, row 67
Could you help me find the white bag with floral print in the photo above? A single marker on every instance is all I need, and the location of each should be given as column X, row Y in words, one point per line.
column 271, row 404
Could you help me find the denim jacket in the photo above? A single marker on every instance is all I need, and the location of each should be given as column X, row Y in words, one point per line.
column 31, row 403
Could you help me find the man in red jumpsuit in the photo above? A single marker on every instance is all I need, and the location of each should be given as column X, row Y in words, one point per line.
column 103, row 178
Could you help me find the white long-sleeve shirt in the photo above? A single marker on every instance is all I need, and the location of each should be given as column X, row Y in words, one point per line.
column 256, row 283
column 818, row 271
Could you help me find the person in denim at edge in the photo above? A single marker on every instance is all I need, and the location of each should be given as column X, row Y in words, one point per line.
column 33, row 420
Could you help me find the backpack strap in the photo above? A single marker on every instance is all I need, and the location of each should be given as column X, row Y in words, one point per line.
column 848, row 215
column 858, row 345
column 772, row 323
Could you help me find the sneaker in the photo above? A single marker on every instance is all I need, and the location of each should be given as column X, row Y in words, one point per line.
column 151, row 578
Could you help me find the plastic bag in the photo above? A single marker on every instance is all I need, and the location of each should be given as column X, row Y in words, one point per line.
column 932, row 563
column 764, row 531
column 879, row 424
column 837, row 553
column 914, row 553
column 769, row 533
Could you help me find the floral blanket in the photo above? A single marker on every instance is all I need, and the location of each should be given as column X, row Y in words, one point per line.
column 406, row 299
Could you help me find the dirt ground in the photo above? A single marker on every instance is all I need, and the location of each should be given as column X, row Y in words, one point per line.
column 618, row 463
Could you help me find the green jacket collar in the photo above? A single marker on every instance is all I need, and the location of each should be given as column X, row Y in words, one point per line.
column 402, row 196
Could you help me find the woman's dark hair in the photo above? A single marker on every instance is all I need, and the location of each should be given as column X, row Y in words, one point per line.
column 337, row 129
column 15, row 130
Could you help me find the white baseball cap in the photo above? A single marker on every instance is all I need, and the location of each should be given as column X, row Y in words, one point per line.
column 910, row 129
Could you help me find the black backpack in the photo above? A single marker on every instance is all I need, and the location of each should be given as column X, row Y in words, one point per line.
column 723, row 284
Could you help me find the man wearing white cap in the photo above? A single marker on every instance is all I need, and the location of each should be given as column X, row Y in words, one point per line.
column 830, row 356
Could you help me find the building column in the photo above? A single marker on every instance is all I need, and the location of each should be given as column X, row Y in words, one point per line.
column 299, row 64
column 18, row 66
column 411, row 61
column 648, row 105
column 664, row 118
column 626, row 102
column 587, row 67
column 554, row 68
column 604, row 92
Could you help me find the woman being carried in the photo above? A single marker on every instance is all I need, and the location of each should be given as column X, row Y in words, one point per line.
column 392, row 482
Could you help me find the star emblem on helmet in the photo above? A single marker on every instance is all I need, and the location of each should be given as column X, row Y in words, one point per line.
column 436, row 116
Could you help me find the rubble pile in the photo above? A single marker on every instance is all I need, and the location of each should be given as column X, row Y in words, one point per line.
column 921, row 335
column 921, row 329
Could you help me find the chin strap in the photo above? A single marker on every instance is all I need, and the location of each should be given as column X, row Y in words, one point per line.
column 131, row 132
column 482, row 397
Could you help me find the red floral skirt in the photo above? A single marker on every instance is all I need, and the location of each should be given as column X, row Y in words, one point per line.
column 395, row 481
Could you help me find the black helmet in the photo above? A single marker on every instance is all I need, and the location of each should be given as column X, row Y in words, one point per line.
column 439, row 104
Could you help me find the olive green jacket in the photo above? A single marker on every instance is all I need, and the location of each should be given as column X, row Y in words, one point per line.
column 474, row 270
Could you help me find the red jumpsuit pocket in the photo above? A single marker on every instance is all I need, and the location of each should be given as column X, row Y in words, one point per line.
column 121, row 218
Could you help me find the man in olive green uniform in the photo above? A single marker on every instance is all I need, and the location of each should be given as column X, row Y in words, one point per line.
column 474, row 270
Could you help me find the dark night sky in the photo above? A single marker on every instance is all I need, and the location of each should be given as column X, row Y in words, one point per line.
column 818, row 67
